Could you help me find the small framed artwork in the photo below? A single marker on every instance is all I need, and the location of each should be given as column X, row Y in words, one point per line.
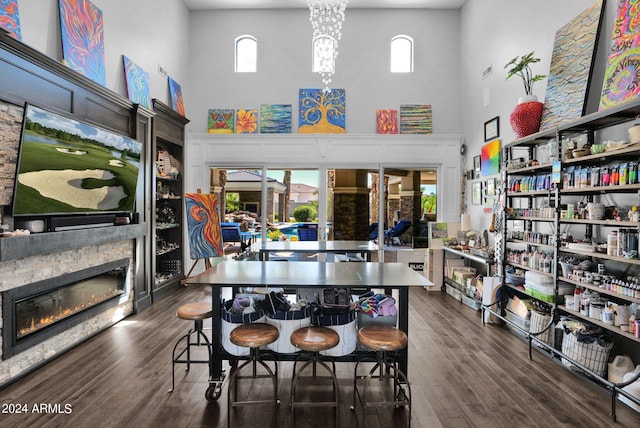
column 492, row 129
column 491, row 187
column 476, row 193
column 476, row 166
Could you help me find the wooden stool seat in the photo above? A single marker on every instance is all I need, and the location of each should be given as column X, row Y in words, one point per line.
column 254, row 335
column 382, row 338
column 195, row 311
column 194, row 338
column 314, row 339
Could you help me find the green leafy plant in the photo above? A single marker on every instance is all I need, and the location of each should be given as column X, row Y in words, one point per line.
column 305, row 213
column 429, row 203
column 520, row 66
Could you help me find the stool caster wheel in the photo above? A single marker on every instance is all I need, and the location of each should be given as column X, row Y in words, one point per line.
column 213, row 392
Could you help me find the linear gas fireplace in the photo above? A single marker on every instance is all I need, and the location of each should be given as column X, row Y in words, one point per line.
column 35, row 312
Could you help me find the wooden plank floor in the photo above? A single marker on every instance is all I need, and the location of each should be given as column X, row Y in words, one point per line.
column 462, row 374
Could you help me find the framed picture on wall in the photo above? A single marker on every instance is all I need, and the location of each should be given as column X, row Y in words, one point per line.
column 476, row 193
column 476, row 166
column 492, row 129
column 491, row 187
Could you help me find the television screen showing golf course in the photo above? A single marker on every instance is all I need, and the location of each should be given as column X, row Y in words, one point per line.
column 66, row 166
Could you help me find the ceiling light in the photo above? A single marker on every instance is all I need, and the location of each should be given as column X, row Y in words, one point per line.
column 326, row 18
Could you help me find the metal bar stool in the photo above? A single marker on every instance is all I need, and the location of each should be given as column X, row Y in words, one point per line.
column 311, row 340
column 197, row 312
column 253, row 336
column 382, row 339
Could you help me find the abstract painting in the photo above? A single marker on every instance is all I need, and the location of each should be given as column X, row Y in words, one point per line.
column 622, row 76
column 82, row 33
column 10, row 18
column 570, row 71
column 322, row 112
column 220, row 121
column 175, row 94
column 416, row 119
column 275, row 118
column 203, row 224
column 246, row 121
column 490, row 158
column 386, row 121
column 137, row 80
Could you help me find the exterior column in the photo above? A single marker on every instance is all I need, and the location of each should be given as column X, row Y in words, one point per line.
column 410, row 204
column 393, row 203
column 351, row 205
column 269, row 210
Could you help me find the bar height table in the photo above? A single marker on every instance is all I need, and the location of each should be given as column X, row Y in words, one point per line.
column 339, row 247
column 387, row 276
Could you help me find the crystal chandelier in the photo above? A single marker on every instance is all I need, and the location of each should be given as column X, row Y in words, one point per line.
column 326, row 18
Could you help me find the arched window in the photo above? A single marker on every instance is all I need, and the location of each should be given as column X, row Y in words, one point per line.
column 324, row 54
column 402, row 54
column 246, row 54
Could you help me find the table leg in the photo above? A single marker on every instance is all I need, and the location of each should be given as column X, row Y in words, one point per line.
column 216, row 331
column 403, row 324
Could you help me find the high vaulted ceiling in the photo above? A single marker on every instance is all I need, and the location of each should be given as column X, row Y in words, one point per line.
column 302, row 4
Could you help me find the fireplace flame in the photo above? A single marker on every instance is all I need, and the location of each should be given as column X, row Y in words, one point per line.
column 42, row 322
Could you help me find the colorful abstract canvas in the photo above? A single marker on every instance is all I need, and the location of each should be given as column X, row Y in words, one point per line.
column 175, row 94
column 322, row 112
column 220, row 121
column 246, row 121
column 137, row 80
column 490, row 158
column 387, row 121
column 82, row 33
column 416, row 119
column 203, row 224
column 570, row 71
column 10, row 18
column 622, row 77
column 275, row 118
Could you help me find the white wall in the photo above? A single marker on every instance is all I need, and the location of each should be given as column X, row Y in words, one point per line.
column 493, row 32
column 284, row 64
column 148, row 34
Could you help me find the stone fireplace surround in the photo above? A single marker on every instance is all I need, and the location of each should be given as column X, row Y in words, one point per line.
column 25, row 260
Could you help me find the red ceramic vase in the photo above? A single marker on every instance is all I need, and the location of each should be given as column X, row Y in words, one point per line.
column 525, row 119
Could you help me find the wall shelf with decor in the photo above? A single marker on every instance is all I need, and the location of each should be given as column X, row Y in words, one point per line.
column 569, row 216
column 168, row 204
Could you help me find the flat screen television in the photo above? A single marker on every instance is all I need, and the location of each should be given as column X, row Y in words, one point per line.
column 69, row 167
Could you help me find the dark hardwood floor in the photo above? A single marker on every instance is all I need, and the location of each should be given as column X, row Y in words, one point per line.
column 463, row 374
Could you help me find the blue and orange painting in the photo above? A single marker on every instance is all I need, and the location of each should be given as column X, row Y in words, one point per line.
column 82, row 31
column 203, row 223
column 175, row 94
column 10, row 18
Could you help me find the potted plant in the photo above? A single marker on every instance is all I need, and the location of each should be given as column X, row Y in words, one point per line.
column 520, row 67
column 525, row 119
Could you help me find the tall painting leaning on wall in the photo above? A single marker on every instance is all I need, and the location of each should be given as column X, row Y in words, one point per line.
column 137, row 80
column 570, row 72
column 82, row 32
column 622, row 79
